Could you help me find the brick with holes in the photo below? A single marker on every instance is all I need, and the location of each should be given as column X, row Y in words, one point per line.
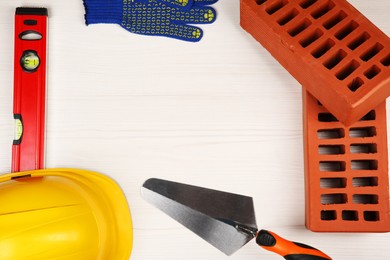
column 335, row 52
column 346, row 171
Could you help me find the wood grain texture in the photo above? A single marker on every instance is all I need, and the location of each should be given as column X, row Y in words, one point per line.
column 220, row 113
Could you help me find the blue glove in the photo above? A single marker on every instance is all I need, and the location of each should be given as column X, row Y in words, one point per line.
column 169, row 18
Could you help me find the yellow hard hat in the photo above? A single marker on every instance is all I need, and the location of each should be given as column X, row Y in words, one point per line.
column 63, row 214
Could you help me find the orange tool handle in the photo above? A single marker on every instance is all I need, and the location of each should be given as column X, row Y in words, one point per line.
column 288, row 249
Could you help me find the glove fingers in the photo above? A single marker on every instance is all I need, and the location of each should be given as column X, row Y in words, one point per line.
column 177, row 31
column 182, row 4
column 185, row 32
column 196, row 15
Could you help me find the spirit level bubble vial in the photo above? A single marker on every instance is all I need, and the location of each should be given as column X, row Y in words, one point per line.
column 29, row 88
column 30, row 61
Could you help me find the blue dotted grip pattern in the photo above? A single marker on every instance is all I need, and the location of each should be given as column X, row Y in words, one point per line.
column 170, row 18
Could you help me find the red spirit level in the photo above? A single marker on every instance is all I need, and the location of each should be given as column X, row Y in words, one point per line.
column 29, row 88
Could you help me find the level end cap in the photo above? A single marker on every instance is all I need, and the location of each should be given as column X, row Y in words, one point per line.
column 31, row 11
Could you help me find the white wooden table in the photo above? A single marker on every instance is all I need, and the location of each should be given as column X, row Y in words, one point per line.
column 220, row 113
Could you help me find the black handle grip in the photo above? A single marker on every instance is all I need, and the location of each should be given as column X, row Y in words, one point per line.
column 304, row 257
column 288, row 249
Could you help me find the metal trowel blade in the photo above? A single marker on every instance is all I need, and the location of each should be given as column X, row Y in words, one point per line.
column 222, row 219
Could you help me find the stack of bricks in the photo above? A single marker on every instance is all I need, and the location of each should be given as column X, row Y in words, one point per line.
column 342, row 61
column 346, row 170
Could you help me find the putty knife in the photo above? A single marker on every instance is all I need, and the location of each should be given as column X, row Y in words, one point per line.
column 225, row 220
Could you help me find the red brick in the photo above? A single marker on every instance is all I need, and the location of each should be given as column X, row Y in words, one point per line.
column 346, row 171
column 334, row 51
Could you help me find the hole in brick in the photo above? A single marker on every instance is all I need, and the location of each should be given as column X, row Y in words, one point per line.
column 386, row 61
column 365, row 181
column 365, row 199
column 370, row 53
column 323, row 10
column 371, row 215
column 363, row 148
column 327, row 199
column 330, row 133
column 355, row 84
column 299, row 28
column 323, row 48
column 333, row 183
column 335, row 59
column 331, row 149
column 364, row 165
column 359, row 41
column 333, row 21
column 311, row 38
column 288, row 17
column 276, row 7
column 349, row 215
column 326, row 117
column 307, row 3
column 372, row 72
column 260, row 2
column 362, row 132
column 347, row 70
column 369, row 116
column 332, row 166
column 328, row 215
column 346, row 30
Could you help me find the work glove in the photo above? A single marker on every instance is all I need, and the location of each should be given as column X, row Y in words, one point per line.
column 169, row 18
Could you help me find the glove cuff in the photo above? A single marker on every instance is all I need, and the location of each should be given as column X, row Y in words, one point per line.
column 103, row 11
